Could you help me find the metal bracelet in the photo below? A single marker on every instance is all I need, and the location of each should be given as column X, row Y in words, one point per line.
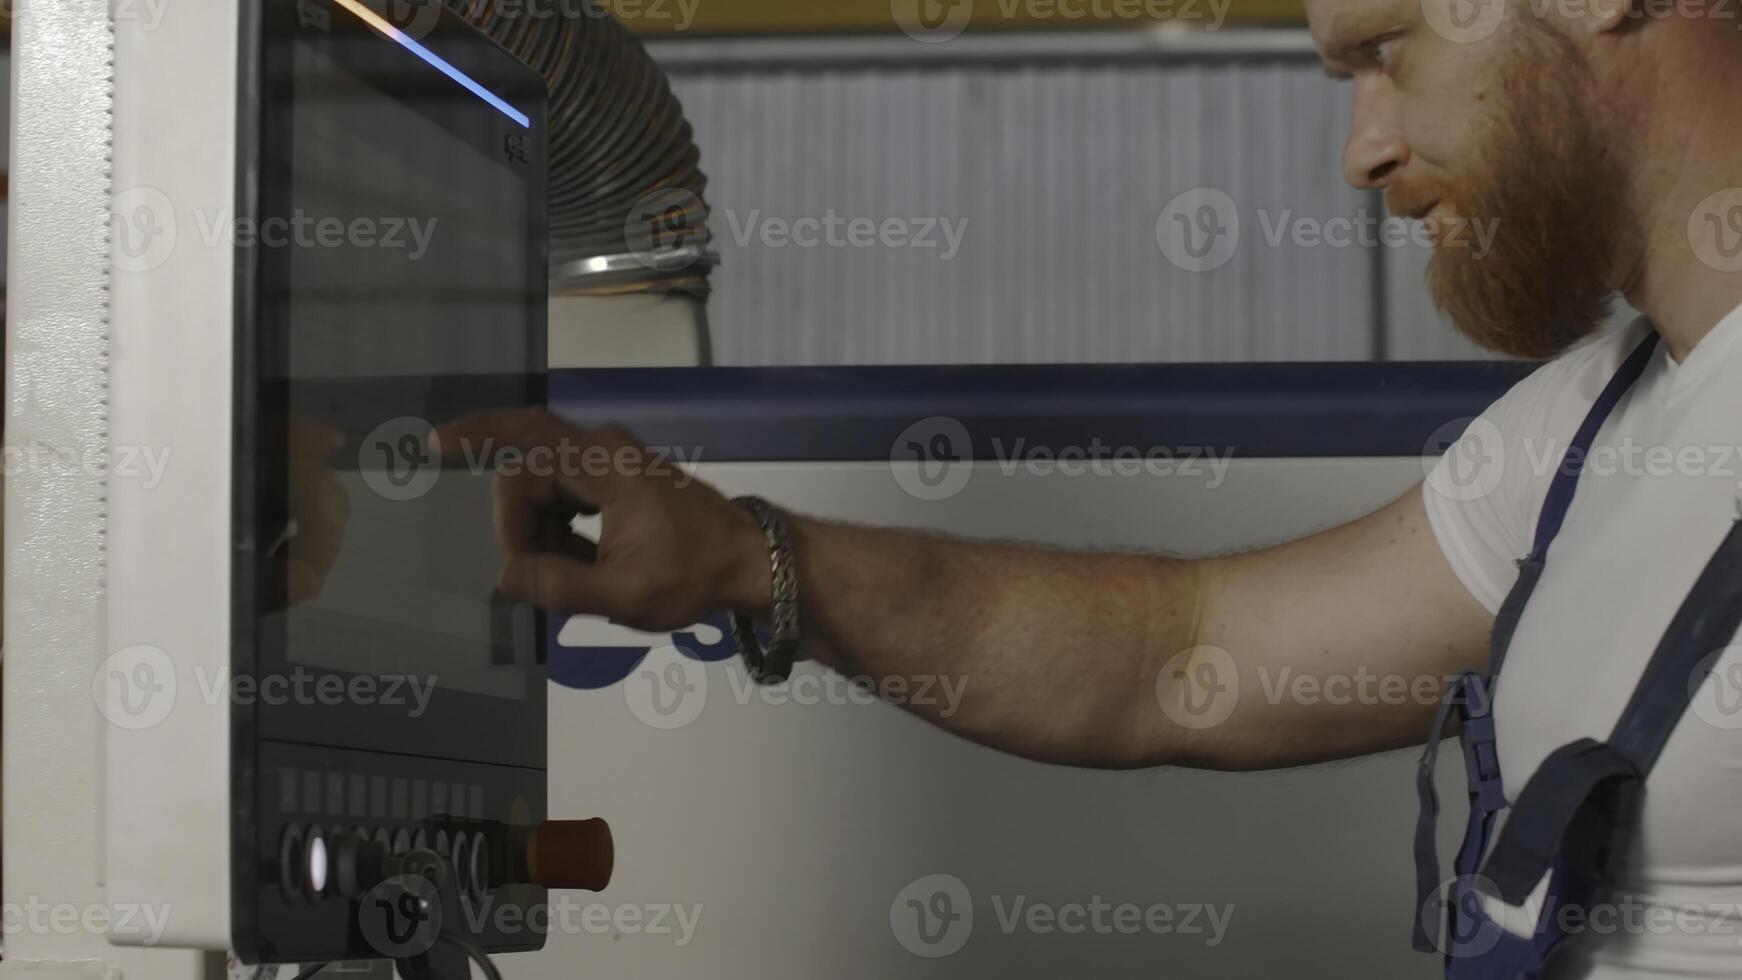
column 773, row 664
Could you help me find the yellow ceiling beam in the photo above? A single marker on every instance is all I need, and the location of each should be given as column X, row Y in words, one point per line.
column 677, row 17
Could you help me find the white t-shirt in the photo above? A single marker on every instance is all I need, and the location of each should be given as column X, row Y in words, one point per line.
column 1660, row 490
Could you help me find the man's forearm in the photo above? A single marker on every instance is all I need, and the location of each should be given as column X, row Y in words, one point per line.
column 1046, row 654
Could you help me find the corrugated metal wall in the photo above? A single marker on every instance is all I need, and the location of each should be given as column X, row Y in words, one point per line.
column 1060, row 158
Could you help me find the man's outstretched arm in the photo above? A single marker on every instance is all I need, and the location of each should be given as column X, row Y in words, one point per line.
column 1324, row 648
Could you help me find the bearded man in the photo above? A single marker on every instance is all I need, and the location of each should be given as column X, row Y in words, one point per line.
column 1600, row 140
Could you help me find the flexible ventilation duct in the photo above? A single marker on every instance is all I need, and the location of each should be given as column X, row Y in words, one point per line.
column 626, row 206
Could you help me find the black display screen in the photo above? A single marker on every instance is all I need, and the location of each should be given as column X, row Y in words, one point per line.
column 417, row 295
column 427, row 277
column 402, row 270
column 391, row 275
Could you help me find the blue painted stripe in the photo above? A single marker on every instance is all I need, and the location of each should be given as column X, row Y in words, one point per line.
column 860, row 413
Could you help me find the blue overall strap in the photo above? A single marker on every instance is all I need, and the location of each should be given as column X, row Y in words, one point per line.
column 1582, row 797
column 1472, row 695
column 1427, row 848
column 1705, row 624
column 1566, row 479
column 1559, row 500
column 1573, row 803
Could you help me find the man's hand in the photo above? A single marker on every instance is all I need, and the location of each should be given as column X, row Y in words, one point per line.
column 672, row 550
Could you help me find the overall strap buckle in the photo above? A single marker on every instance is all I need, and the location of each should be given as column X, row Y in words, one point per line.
column 1467, row 695
column 1481, row 748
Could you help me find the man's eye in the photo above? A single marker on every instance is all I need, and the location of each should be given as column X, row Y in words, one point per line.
column 1380, row 51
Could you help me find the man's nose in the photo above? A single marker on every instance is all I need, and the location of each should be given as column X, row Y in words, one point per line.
column 1376, row 150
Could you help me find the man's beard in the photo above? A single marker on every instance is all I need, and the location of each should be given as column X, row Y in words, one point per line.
column 1551, row 188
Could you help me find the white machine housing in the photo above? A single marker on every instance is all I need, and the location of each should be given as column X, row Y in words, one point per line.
column 172, row 377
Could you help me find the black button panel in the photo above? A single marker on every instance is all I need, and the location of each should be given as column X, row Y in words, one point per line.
column 310, row 794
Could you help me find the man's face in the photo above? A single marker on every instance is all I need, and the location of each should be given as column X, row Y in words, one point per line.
column 1476, row 115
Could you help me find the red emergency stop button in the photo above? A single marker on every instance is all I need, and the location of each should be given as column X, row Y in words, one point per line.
column 571, row 854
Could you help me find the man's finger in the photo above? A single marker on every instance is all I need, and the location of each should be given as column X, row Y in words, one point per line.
column 517, row 503
column 583, row 459
column 566, row 586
